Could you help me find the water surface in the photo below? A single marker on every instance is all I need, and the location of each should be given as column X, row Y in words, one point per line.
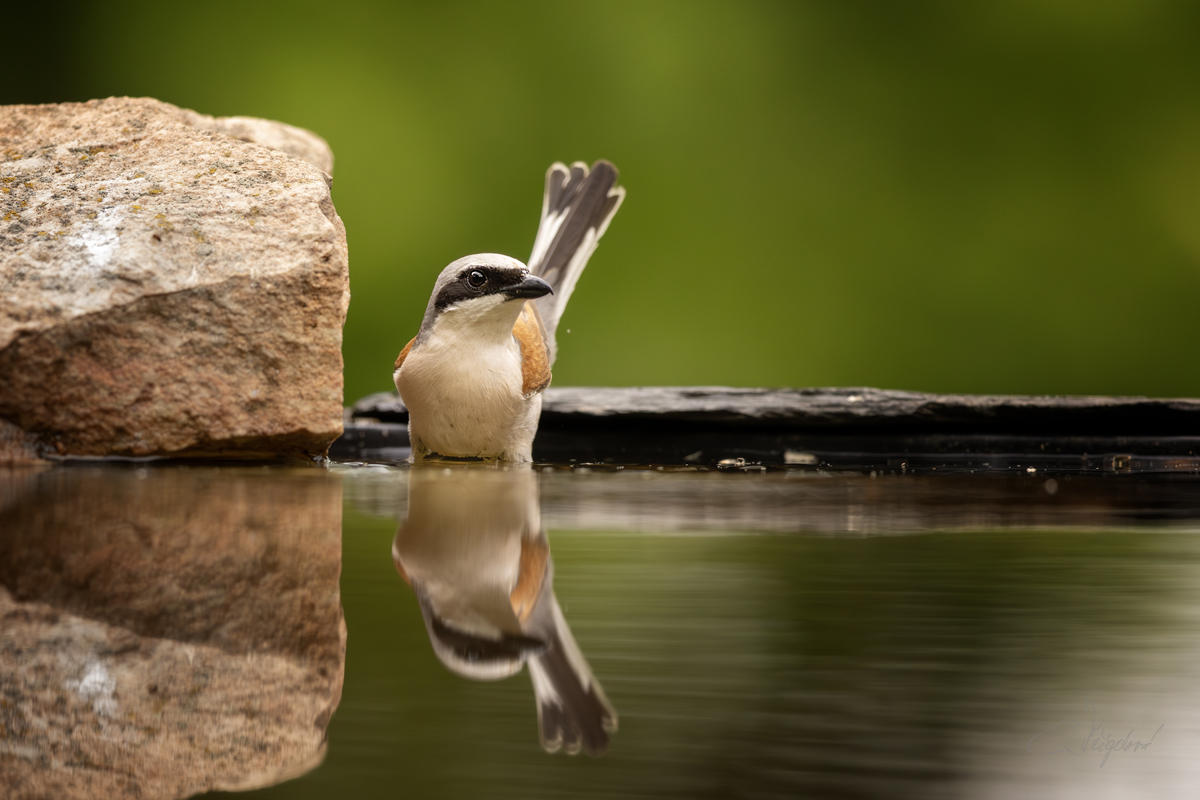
column 755, row 634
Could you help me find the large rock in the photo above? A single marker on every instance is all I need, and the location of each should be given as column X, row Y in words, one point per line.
column 168, row 286
column 165, row 632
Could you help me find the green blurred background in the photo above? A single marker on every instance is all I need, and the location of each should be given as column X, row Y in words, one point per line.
column 942, row 196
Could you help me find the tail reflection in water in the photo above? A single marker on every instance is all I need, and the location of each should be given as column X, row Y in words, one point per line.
column 475, row 554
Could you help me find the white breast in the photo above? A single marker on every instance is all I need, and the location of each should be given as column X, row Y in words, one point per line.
column 463, row 393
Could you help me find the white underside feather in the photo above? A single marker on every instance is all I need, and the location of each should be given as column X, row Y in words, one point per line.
column 463, row 386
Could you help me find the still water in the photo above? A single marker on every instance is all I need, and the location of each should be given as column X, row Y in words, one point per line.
column 461, row 630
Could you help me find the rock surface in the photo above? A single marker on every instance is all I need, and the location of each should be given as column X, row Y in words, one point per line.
column 850, row 409
column 859, row 430
column 166, row 632
column 17, row 446
column 167, row 285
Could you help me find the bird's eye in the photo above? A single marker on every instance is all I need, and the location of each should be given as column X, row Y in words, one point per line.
column 476, row 278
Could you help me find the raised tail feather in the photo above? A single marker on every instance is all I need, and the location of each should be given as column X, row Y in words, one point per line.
column 576, row 209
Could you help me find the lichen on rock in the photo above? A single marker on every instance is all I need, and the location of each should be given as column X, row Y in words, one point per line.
column 170, row 284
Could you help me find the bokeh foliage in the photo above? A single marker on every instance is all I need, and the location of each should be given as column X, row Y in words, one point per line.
column 976, row 197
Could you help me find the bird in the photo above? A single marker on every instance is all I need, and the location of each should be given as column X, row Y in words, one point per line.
column 476, row 555
column 473, row 376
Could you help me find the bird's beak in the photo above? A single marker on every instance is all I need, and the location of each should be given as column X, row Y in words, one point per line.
column 530, row 287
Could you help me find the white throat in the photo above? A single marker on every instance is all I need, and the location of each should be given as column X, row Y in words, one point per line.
column 487, row 319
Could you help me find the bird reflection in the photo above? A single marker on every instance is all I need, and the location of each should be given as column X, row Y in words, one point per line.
column 475, row 553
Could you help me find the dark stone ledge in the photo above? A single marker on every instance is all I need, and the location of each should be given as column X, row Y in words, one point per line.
column 853, row 429
column 857, row 410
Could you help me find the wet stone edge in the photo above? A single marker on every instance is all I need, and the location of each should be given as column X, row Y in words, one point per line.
column 856, row 429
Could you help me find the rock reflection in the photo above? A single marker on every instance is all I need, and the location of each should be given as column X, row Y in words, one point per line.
column 165, row 632
column 475, row 553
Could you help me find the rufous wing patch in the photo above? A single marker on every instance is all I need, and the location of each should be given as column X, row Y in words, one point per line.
column 404, row 354
column 535, row 356
column 400, row 569
column 534, row 555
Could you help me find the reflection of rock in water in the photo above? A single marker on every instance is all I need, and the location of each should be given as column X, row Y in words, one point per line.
column 165, row 632
column 475, row 552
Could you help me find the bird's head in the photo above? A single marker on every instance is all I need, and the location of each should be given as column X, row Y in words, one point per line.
column 482, row 291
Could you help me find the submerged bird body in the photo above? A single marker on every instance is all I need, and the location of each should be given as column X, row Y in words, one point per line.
column 465, row 384
column 472, row 377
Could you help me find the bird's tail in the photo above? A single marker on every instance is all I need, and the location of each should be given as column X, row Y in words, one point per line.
column 573, row 711
column 576, row 209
